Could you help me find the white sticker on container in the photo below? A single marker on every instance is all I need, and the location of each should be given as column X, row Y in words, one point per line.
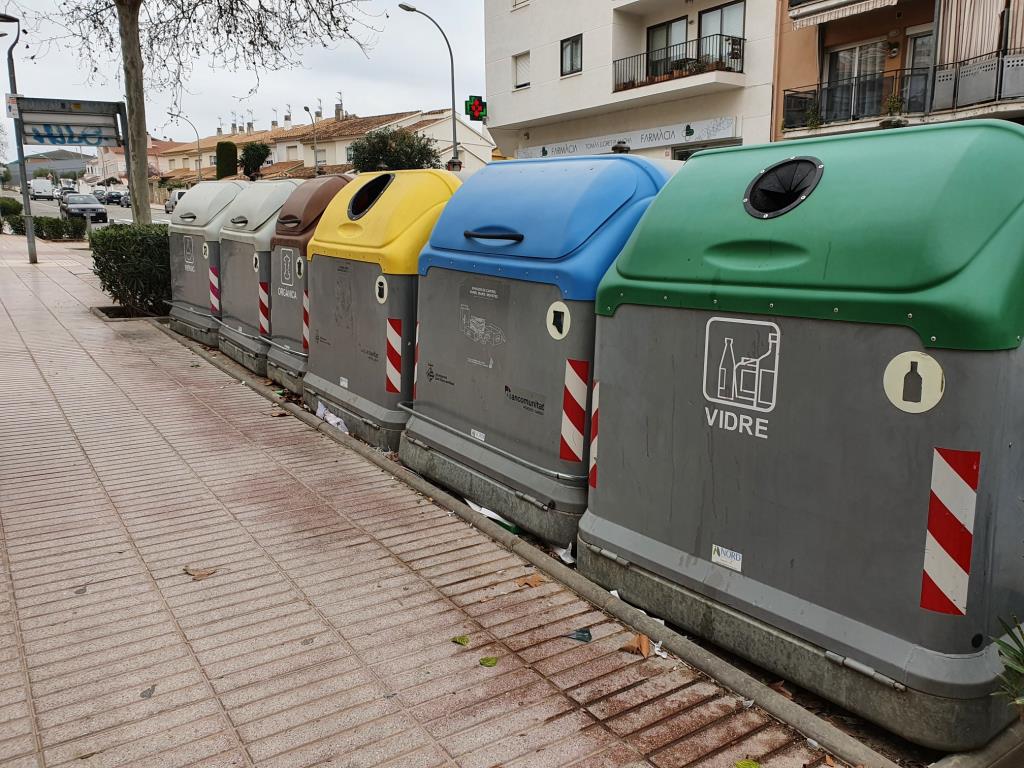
column 343, row 382
column 727, row 558
column 478, row 435
column 558, row 320
column 380, row 289
column 206, row 251
column 255, row 262
column 914, row 382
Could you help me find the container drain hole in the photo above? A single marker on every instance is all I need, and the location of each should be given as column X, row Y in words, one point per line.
column 976, row 641
column 782, row 187
column 368, row 194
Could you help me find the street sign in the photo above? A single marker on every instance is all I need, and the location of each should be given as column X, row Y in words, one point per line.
column 12, row 106
column 476, row 108
column 63, row 123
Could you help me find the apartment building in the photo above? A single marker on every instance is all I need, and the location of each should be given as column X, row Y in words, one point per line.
column 856, row 65
column 663, row 77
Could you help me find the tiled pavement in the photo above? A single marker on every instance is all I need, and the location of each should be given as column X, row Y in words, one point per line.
column 188, row 580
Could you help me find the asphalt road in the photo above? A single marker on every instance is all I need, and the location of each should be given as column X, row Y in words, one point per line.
column 115, row 213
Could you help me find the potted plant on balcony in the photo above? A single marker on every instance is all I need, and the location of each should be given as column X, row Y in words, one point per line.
column 893, row 109
column 812, row 115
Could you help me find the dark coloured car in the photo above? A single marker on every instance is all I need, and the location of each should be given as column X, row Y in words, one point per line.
column 83, row 206
column 113, row 197
column 100, row 195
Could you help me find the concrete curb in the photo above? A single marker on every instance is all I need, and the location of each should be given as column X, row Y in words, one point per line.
column 813, row 727
column 1004, row 751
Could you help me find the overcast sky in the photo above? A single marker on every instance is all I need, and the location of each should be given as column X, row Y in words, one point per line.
column 406, row 68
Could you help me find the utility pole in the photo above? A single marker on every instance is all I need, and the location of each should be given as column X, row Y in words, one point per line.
column 30, row 231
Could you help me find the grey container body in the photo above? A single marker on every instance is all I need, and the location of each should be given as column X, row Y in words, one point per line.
column 191, row 264
column 489, row 398
column 243, row 269
column 797, row 526
column 286, row 357
column 347, row 369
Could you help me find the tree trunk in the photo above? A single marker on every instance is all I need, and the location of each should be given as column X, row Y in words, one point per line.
column 131, row 55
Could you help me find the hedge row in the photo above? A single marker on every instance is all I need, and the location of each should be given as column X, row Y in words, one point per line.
column 133, row 263
column 9, row 206
column 48, row 227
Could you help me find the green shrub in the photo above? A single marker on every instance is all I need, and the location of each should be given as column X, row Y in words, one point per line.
column 9, row 206
column 133, row 264
column 75, row 229
column 49, row 227
column 16, row 222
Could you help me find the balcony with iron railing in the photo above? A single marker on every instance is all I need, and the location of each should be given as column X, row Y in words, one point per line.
column 991, row 78
column 713, row 53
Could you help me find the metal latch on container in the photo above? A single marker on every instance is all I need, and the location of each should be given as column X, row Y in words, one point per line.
column 609, row 555
column 864, row 669
column 531, row 500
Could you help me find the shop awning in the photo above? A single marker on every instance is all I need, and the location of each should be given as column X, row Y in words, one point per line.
column 810, row 14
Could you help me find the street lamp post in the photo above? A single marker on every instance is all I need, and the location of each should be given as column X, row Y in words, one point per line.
column 30, row 233
column 316, row 162
column 455, row 164
column 199, row 152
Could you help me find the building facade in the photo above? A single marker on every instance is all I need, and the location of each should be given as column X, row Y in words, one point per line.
column 856, row 65
column 665, row 77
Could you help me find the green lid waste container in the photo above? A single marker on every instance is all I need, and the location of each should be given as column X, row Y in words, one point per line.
column 810, row 417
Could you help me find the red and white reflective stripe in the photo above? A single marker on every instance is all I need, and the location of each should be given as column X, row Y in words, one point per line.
column 305, row 319
column 950, row 538
column 416, row 361
column 214, row 290
column 592, row 479
column 574, row 410
column 264, row 309
column 394, row 362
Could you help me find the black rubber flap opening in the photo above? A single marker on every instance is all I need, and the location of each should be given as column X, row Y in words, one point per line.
column 780, row 188
column 368, row 194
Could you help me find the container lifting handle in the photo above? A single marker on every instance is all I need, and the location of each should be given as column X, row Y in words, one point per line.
column 240, row 220
column 288, row 221
column 515, row 237
column 188, row 216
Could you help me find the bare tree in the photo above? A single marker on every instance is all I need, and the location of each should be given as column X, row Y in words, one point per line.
column 161, row 41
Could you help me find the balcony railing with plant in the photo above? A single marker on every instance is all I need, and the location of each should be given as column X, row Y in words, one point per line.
column 694, row 57
column 993, row 77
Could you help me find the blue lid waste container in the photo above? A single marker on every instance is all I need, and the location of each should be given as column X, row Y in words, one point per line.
column 506, row 332
column 289, row 279
column 195, row 258
column 808, row 365
column 245, row 272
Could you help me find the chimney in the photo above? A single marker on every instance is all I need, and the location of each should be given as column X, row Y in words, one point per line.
column 287, row 121
column 339, row 112
column 273, row 124
column 319, row 114
column 220, row 131
column 234, row 127
column 248, row 127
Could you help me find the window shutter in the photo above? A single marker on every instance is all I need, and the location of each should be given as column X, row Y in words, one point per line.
column 522, row 64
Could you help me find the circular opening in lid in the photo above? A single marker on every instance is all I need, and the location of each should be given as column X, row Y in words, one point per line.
column 780, row 188
column 368, row 194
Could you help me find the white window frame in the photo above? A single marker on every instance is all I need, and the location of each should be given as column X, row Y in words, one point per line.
column 849, row 47
column 515, row 70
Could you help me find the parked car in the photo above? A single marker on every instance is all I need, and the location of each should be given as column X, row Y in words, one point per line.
column 100, row 194
column 83, row 206
column 172, row 201
column 113, row 196
column 126, row 200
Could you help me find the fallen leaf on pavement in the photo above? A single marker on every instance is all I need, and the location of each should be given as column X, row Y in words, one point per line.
column 748, row 764
column 489, row 661
column 829, row 761
column 276, row 413
column 461, row 640
column 198, row 574
column 640, row 645
column 780, row 687
column 533, row 580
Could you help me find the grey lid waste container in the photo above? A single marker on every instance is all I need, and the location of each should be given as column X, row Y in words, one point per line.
column 362, row 273
column 245, row 272
column 289, row 290
column 506, row 331
column 195, row 258
column 810, row 417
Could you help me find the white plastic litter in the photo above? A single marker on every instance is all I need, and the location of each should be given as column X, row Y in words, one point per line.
column 615, row 593
column 564, row 555
column 335, row 421
column 488, row 513
column 748, row 703
column 656, row 650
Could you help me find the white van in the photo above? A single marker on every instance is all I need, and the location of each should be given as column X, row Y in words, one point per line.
column 40, row 189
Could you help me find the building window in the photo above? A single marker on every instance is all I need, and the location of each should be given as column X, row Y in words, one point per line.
column 572, row 55
column 521, row 70
column 348, row 154
column 519, row 3
column 321, row 157
column 666, row 43
column 213, row 160
column 199, row 163
column 855, row 81
column 724, row 20
column 172, row 163
column 291, row 153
